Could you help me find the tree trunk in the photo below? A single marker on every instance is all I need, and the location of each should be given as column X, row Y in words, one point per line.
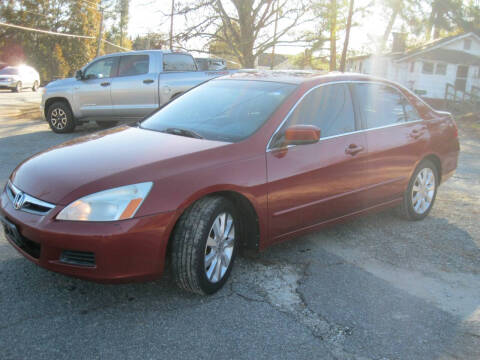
column 333, row 35
column 430, row 22
column 389, row 27
column 347, row 37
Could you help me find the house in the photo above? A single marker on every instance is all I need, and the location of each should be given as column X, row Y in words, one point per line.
column 427, row 69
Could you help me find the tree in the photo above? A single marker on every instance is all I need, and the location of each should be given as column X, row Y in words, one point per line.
column 150, row 41
column 53, row 56
column 123, row 8
column 347, row 37
column 333, row 34
column 243, row 27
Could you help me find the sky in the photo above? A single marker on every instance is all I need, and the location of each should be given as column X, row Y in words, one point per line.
column 149, row 16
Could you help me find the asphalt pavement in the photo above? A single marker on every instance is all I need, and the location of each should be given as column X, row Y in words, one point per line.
column 376, row 288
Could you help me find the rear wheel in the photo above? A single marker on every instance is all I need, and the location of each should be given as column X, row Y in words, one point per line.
column 35, row 86
column 421, row 192
column 106, row 124
column 60, row 118
column 205, row 244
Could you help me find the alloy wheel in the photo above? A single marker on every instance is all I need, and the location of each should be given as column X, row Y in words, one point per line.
column 58, row 118
column 219, row 247
column 423, row 190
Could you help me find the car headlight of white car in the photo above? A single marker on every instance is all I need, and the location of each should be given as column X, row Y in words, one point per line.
column 109, row 205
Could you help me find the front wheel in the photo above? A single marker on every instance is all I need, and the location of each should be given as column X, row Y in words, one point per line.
column 60, row 118
column 18, row 87
column 204, row 245
column 421, row 192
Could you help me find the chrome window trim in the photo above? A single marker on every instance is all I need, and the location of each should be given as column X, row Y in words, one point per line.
column 268, row 149
column 28, row 199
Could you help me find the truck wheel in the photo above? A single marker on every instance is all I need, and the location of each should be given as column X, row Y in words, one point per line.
column 106, row 124
column 60, row 118
column 35, row 86
column 204, row 245
column 18, row 87
column 420, row 196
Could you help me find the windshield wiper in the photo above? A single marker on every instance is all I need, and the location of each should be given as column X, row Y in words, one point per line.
column 183, row 132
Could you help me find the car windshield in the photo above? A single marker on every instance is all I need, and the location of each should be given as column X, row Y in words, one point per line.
column 9, row 71
column 224, row 110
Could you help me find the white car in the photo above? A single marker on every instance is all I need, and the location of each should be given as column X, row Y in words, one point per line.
column 17, row 78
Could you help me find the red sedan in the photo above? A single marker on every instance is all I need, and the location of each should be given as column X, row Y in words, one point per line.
column 244, row 161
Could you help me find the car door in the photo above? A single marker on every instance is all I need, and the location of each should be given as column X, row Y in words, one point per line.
column 92, row 92
column 134, row 91
column 396, row 139
column 312, row 184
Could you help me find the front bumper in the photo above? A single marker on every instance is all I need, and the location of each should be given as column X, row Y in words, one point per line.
column 7, row 84
column 127, row 250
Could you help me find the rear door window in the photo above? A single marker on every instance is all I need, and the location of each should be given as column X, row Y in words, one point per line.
column 178, row 62
column 380, row 105
column 131, row 65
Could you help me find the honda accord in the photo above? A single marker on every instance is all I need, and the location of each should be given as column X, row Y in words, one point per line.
column 241, row 162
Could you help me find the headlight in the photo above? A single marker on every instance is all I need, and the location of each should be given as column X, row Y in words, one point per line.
column 109, row 205
column 10, row 79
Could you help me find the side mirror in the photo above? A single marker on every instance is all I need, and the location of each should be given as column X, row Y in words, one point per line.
column 79, row 75
column 302, row 135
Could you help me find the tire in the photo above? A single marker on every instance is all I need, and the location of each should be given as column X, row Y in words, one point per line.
column 35, row 86
column 60, row 118
column 106, row 124
column 415, row 210
column 18, row 87
column 193, row 245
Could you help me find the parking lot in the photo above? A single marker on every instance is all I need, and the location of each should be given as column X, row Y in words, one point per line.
column 375, row 288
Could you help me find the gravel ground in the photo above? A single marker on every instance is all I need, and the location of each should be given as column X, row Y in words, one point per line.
column 375, row 288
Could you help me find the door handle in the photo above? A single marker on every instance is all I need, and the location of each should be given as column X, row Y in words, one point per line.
column 416, row 133
column 353, row 149
column 147, row 81
column 105, row 83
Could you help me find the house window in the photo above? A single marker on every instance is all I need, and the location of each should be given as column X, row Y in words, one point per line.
column 412, row 66
column 467, row 44
column 427, row 68
column 441, row 69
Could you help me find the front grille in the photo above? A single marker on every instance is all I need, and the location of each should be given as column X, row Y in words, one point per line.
column 27, row 203
column 80, row 258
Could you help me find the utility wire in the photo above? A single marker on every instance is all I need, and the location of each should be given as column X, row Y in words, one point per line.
column 58, row 34
column 46, row 31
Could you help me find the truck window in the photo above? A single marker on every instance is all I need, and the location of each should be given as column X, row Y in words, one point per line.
column 133, row 65
column 178, row 62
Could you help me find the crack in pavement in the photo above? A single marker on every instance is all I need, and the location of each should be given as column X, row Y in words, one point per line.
column 276, row 284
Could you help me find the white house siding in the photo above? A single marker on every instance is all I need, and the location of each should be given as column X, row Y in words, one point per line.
column 459, row 43
column 428, row 85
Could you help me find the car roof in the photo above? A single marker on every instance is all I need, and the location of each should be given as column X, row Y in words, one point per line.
column 300, row 77
column 140, row 52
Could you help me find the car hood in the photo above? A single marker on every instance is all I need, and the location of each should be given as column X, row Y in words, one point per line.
column 61, row 82
column 107, row 159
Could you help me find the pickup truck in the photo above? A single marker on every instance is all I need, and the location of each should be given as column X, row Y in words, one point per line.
column 124, row 86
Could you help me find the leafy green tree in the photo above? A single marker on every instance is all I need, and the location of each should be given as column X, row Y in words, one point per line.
column 53, row 56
